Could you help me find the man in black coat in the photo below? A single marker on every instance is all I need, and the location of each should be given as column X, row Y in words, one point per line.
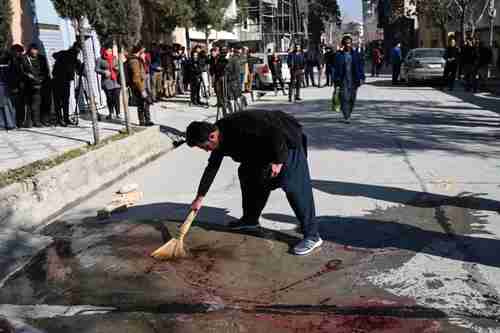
column 272, row 150
column 16, row 83
column 195, row 70
column 65, row 66
column 36, row 74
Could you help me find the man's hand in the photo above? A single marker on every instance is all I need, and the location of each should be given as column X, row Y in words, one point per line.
column 197, row 203
column 276, row 169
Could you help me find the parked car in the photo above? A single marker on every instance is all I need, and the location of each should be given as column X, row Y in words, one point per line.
column 263, row 75
column 423, row 64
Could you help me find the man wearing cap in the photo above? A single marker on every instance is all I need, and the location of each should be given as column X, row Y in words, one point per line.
column 272, row 150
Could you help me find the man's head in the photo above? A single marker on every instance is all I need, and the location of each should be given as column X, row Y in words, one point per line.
column 203, row 135
column 347, row 43
column 17, row 49
column 34, row 50
column 398, row 45
column 452, row 42
column 195, row 55
column 298, row 48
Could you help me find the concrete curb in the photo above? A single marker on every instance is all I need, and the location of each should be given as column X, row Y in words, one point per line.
column 30, row 203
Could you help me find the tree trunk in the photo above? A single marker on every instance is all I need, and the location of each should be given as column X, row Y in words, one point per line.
column 123, row 83
column 188, row 41
column 88, row 74
column 444, row 34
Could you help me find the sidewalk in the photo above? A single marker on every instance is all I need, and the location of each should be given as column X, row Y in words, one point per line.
column 24, row 146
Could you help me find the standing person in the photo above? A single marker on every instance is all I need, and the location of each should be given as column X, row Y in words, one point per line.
column 204, row 74
column 36, row 73
column 396, row 61
column 276, row 71
column 16, row 83
column 349, row 75
column 212, row 60
column 194, row 73
column 483, row 60
column 243, row 59
column 66, row 66
column 296, row 64
column 468, row 59
column 377, row 60
column 137, row 75
column 156, row 73
column 107, row 67
column 179, row 62
column 233, row 79
column 219, row 72
column 329, row 61
column 308, row 68
column 279, row 162
column 451, row 56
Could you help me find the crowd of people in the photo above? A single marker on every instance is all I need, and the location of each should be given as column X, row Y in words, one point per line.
column 470, row 62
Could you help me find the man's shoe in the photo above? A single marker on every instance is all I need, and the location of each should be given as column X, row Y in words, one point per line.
column 298, row 99
column 37, row 124
column 149, row 123
column 243, row 225
column 307, row 245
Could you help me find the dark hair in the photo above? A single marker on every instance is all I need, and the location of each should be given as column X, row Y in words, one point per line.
column 34, row 46
column 198, row 132
column 137, row 48
column 346, row 38
column 17, row 48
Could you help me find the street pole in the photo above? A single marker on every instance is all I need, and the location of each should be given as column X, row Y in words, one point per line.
column 492, row 12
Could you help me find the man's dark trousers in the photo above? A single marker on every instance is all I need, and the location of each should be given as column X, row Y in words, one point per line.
column 295, row 181
column 396, row 70
column 62, row 91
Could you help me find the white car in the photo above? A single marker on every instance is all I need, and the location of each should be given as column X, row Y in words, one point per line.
column 423, row 64
column 263, row 75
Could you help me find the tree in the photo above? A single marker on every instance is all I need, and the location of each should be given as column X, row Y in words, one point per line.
column 321, row 11
column 439, row 12
column 77, row 10
column 5, row 22
column 118, row 22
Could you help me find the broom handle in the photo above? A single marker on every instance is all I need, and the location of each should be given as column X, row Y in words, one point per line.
column 184, row 228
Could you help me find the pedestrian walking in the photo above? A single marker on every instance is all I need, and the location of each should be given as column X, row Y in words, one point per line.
column 451, row 55
column 296, row 63
column 280, row 161
column 205, row 80
column 396, row 61
column 180, row 61
column 275, row 65
column 167, row 63
column 107, row 67
column 16, row 83
column 36, row 73
column 377, row 60
column 137, row 77
column 349, row 75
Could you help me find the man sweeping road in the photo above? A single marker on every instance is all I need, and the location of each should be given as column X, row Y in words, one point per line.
column 272, row 150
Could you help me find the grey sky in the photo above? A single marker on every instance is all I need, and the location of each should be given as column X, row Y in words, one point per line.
column 351, row 9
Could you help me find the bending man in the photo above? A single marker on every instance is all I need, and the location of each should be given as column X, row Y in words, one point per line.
column 272, row 151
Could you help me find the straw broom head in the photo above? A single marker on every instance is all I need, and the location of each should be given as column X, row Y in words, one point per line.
column 174, row 248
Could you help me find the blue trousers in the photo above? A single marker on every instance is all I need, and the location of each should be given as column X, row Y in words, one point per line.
column 294, row 180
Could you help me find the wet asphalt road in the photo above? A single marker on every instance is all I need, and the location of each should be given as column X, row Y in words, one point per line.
column 407, row 196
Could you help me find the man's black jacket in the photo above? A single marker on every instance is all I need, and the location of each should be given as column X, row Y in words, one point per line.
column 253, row 138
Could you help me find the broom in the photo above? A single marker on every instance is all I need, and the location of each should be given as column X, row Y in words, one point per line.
column 174, row 248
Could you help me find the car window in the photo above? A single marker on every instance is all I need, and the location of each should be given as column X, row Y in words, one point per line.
column 430, row 53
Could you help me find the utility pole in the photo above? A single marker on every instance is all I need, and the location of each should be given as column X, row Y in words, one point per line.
column 492, row 13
